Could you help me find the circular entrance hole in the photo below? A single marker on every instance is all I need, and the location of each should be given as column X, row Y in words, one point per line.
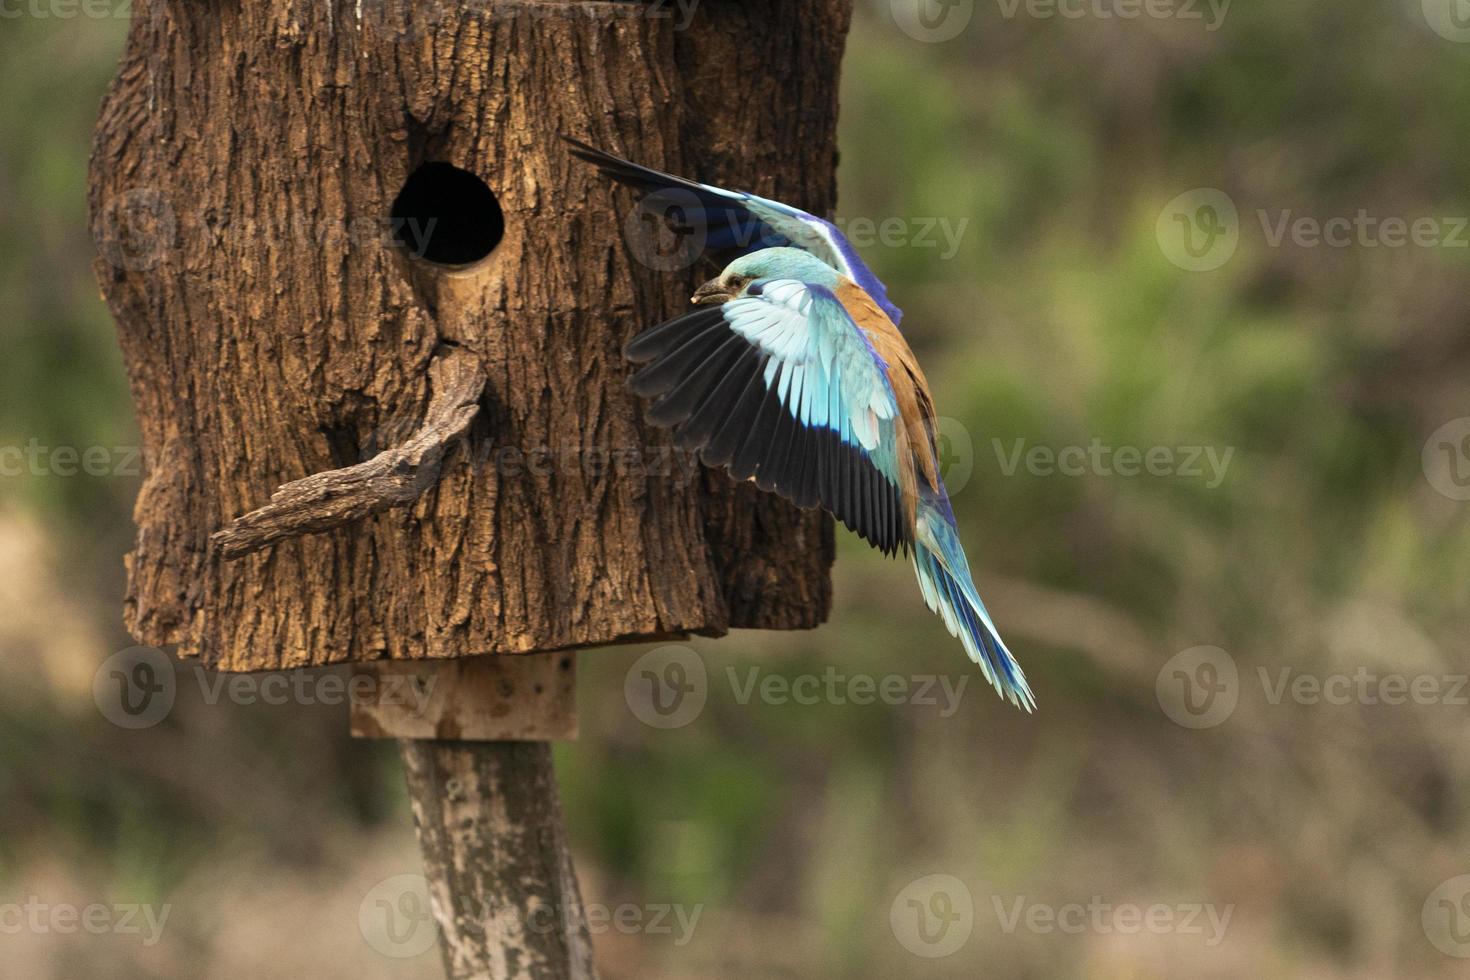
column 447, row 216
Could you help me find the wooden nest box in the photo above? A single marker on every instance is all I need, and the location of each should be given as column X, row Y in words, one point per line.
column 373, row 312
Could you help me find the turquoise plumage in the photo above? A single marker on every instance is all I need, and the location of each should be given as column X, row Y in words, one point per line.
column 791, row 372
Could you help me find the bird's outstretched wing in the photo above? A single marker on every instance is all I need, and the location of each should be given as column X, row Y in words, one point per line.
column 781, row 386
column 740, row 222
column 815, row 397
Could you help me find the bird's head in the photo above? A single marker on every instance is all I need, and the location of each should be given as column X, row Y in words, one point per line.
column 768, row 263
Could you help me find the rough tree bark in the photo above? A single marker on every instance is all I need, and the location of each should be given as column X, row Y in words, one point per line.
column 245, row 163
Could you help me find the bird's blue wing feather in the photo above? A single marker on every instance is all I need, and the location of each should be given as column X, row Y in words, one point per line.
column 780, row 386
column 841, row 382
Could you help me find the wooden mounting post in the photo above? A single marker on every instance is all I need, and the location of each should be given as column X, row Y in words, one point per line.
column 496, row 860
column 475, row 738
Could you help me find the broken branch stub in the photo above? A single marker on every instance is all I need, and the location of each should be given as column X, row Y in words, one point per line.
column 394, row 477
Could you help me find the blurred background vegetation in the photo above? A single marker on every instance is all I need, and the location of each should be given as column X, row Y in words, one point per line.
column 1058, row 321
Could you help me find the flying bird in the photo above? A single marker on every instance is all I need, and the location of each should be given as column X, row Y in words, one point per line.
column 791, row 371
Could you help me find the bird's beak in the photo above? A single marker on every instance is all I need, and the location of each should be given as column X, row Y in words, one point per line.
column 711, row 292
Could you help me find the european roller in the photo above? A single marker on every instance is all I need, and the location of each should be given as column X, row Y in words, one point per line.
column 791, row 371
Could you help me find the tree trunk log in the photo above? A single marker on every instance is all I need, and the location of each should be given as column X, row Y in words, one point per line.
column 499, row 874
column 245, row 165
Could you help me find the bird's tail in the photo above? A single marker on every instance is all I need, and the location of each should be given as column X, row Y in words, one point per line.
column 944, row 578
